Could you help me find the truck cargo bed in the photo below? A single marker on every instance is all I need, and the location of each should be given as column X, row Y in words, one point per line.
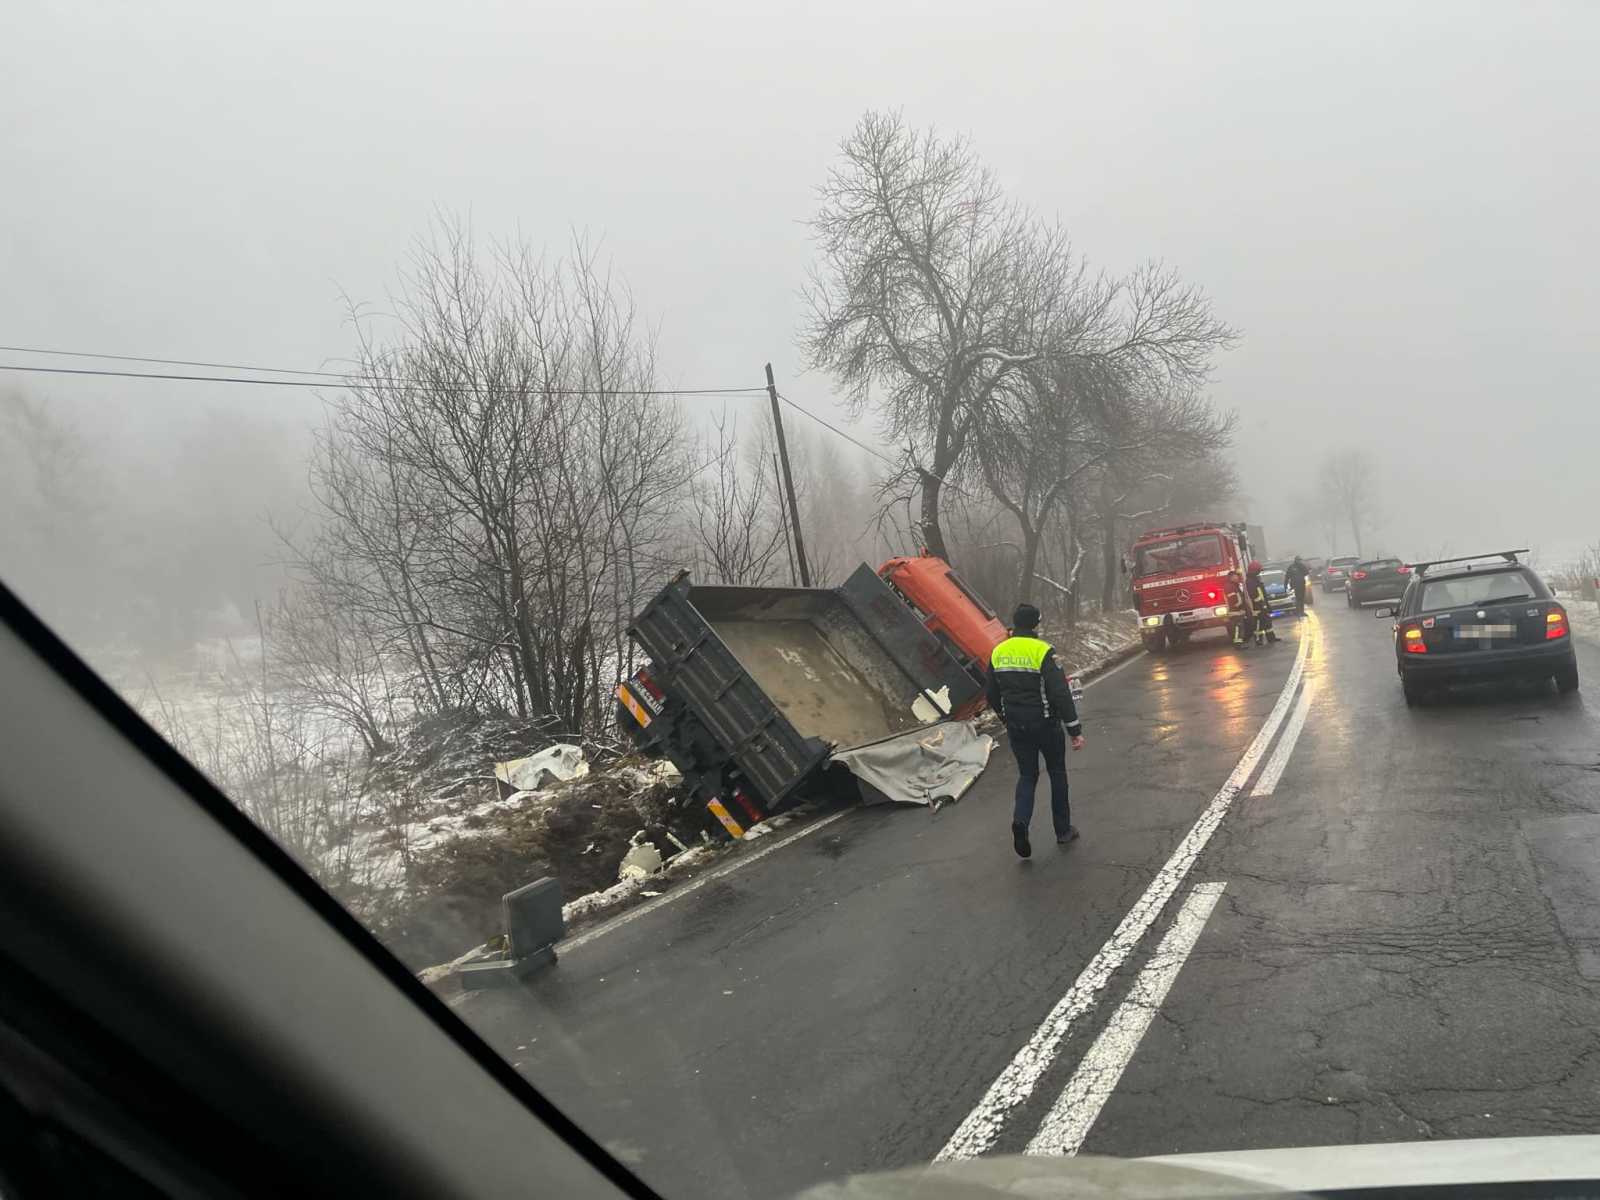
column 812, row 683
column 770, row 680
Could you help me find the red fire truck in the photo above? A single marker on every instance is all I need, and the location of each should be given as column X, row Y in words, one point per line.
column 1179, row 580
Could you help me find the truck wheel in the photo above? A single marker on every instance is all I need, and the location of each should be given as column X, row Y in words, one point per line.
column 1414, row 693
column 1567, row 680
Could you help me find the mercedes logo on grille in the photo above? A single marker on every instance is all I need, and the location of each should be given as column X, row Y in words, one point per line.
column 1183, row 595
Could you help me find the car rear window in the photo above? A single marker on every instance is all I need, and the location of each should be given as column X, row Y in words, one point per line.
column 1380, row 564
column 1480, row 589
column 1343, row 562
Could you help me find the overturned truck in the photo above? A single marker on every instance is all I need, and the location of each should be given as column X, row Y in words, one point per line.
column 764, row 696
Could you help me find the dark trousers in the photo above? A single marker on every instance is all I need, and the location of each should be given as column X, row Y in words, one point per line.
column 1047, row 741
column 1300, row 598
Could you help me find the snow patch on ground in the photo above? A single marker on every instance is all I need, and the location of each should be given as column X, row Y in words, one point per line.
column 1095, row 642
column 619, row 894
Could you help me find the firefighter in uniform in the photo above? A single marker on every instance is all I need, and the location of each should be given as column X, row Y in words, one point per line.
column 1256, row 591
column 1029, row 692
column 1241, row 620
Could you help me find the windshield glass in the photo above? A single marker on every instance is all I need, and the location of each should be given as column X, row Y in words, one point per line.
column 1179, row 554
column 472, row 436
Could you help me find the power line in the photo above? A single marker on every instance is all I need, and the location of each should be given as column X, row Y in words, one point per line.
column 327, row 378
column 831, row 428
column 168, row 362
column 357, row 380
column 878, row 454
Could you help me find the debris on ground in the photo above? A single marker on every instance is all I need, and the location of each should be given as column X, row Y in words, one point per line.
column 553, row 764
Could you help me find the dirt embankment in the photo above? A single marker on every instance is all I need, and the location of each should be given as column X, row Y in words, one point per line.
column 437, row 844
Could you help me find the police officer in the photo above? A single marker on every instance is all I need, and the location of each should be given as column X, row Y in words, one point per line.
column 1296, row 575
column 1026, row 687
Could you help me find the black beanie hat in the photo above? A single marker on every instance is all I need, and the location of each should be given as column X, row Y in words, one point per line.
column 1026, row 617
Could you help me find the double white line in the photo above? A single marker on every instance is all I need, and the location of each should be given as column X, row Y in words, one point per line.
column 1080, row 1102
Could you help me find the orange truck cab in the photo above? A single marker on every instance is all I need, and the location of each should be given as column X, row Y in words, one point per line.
column 1179, row 579
column 951, row 610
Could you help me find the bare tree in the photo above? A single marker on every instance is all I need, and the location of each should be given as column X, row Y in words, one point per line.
column 914, row 304
column 738, row 526
column 1348, row 480
column 499, row 480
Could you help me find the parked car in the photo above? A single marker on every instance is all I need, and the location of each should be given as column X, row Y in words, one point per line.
column 1467, row 620
column 1280, row 596
column 1376, row 579
column 1333, row 575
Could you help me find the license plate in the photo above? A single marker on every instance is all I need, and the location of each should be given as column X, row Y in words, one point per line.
column 1485, row 631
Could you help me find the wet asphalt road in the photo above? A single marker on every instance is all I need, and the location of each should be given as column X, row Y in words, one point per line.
column 1407, row 944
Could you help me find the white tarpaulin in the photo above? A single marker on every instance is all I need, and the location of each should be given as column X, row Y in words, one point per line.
column 548, row 766
column 923, row 766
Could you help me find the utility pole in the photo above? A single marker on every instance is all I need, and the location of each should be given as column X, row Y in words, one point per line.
column 788, row 543
column 788, row 483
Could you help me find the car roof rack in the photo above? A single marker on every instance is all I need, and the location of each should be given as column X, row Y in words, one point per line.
column 1510, row 556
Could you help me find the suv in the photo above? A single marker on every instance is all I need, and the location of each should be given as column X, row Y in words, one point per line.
column 1333, row 575
column 1376, row 579
column 1467, row 620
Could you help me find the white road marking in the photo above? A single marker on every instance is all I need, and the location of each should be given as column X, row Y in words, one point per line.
column 1273, row 771
column 633, row 914
column 982, row 1126
column 1078, row 1107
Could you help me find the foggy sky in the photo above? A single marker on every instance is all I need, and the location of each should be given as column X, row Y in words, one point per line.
column 1396, row 205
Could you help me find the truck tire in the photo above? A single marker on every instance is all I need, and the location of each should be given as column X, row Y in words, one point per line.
column 1567, row 679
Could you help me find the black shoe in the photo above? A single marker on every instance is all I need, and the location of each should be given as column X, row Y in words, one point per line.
column 1070, row 836
column 1019, row 839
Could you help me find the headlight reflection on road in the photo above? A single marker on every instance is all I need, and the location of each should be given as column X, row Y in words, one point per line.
column 1333, row 723
column 1230, row 695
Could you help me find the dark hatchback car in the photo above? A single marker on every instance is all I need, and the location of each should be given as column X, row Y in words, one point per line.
column 1467, row 620
column 1376, row 579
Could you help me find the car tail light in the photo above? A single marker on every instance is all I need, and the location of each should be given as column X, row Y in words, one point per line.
column 1358, row 574
column 1555, row 623
column 1411, row 637
column 1403, row 569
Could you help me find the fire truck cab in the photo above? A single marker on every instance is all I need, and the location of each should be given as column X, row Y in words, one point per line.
column 1179, row 579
